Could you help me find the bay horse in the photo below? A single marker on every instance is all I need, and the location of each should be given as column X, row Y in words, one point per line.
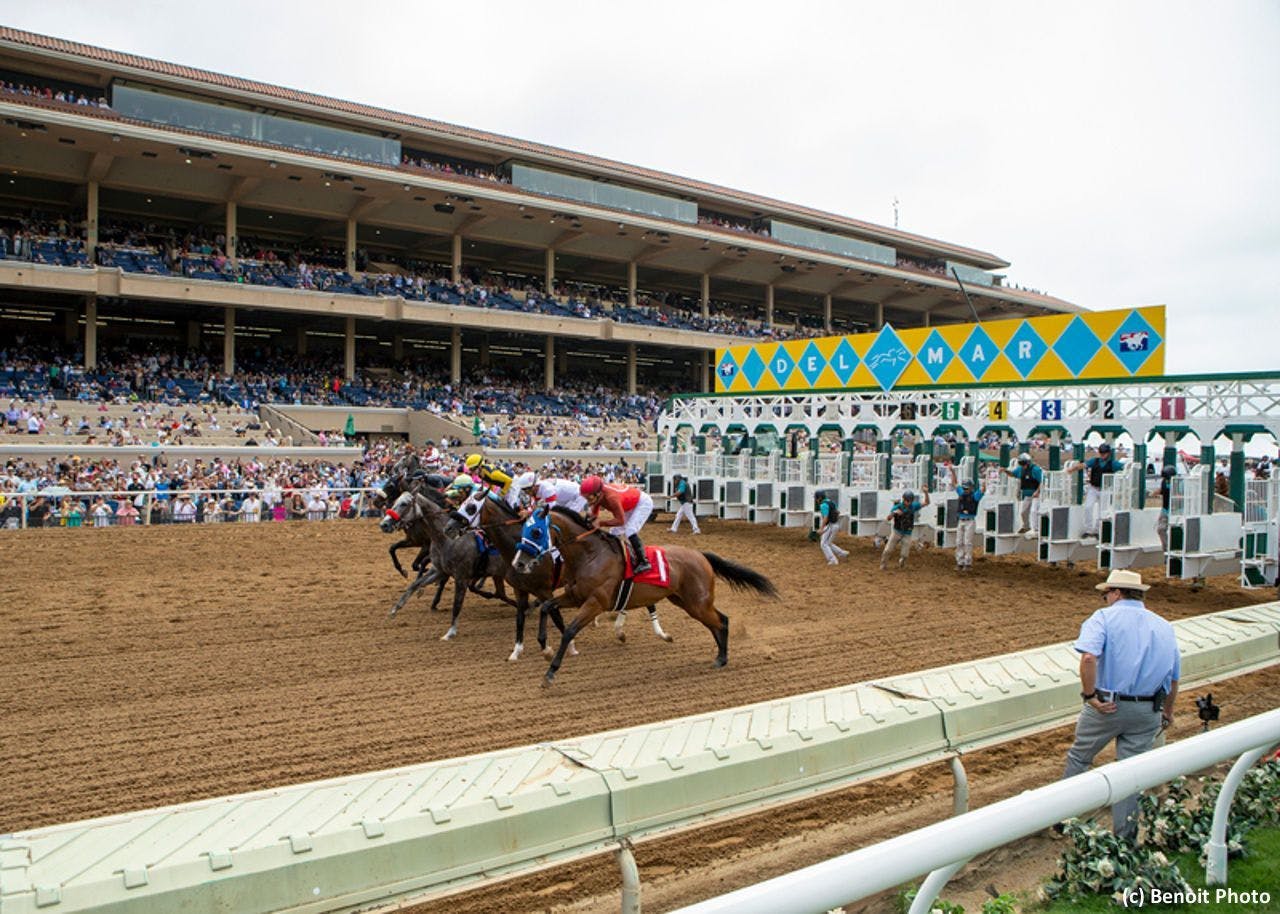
column 502, row 526
column 451, row 557
column 595, row 568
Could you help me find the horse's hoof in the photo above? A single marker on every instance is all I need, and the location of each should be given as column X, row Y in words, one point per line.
column 449, row 635
column 547, row 681
column 573, row 649
column 622, row 637
column 548, row 653
column 721, row 662
column 515, row 655
column 667, row 638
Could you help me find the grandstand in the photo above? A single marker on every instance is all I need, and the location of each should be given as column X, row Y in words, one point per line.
column 144, row 203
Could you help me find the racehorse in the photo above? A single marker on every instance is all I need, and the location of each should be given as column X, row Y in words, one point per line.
column 595, row 569
column 451, row 557
column 405, row 476
column 502, row 527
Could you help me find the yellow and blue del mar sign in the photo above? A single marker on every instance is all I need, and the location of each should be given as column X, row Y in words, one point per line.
column 1093, row 345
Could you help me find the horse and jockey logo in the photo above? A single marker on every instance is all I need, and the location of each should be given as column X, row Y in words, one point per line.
column 727, row 370
column 1135, row 341
column 891, row 358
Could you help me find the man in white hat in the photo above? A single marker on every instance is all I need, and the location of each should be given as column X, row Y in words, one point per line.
column 1129, row 670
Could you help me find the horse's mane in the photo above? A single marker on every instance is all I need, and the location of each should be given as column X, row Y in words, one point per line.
column 433, row 496
column 502, row 505
column 572, row 515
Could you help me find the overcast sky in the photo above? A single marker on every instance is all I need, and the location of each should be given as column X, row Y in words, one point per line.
column 1116, row 154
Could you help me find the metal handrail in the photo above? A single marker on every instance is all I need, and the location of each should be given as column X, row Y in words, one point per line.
column 882, row 866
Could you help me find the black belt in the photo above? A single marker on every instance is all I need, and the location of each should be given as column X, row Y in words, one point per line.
column 1117, row 696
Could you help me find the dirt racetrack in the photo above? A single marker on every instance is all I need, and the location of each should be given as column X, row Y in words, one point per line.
column 147, row 666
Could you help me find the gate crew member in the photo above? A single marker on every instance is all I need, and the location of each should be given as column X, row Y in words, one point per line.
column 830, row 526
column 684, row 495
column 489, row 474
column 629, row 508
column 1129, row 671
column 1029, row 477
column 1095, row 468
column 968, row 495
column 903, row 518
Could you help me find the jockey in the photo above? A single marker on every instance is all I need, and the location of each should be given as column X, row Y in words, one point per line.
column 460, row 489
column 488, row 473
column 629, row 508
column 521, row 489
column 562, row 493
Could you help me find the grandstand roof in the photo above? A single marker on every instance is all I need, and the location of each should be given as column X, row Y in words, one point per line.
column 124, row 62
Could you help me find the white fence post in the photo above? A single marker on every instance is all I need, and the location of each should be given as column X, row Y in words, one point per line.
column 1215, row 871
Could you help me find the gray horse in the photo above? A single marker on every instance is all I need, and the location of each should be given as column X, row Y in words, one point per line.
column 459, row 558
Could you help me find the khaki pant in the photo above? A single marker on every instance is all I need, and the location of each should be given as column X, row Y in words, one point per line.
column 1162, row 529
column 965, row 531
column 1030, row 512
column 900, row 541
column 1133, row 726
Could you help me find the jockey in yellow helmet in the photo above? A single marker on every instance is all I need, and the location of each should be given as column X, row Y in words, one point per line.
column 488, row 473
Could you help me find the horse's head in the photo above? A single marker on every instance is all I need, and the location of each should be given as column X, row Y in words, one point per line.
column 535, row 541
column 403, row 511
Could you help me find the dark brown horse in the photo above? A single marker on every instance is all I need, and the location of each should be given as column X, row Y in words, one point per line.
column 594, row 566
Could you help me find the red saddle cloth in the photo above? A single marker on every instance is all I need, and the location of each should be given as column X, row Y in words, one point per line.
column 659, row 573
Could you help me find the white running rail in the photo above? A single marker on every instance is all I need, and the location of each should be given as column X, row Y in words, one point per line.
column 941, row 847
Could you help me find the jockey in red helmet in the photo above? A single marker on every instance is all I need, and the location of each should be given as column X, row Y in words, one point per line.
column 628, row 507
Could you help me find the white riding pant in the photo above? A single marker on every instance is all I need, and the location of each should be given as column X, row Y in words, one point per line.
column 828, row 543
column 636, row 517
column 685, row 511
column 966, row 529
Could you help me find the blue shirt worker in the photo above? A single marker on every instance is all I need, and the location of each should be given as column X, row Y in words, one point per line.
column 684, row 498
column 903, row 518
column 967, row 495
column 830, row 514
column 1129, row 671
column 1029, row 477
column 1094, row 469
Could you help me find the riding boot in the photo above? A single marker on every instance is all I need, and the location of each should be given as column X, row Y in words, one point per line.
column 639, row 564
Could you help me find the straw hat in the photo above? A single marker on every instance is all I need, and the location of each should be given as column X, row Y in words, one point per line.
column 1123, row 580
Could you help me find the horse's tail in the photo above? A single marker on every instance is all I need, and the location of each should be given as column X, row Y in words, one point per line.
column 740, row 577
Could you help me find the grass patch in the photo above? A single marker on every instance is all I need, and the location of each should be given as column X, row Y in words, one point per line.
column 1258, row 872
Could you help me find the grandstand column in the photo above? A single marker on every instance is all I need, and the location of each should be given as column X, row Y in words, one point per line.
column 457, row 258
column 1237, row 471
column 549, row 364
column 91, row 223
column 231, row 233
column 879, row 315
column 706, row 295
column 91, row 332
column 455, row 356
column 768, row 305
column 351, row 245
column 704, row 374
column 302, row 340
column 229, row 342
column 562, row 361
column 631, row 368
column 193, row 334
column 826, row 312
column 349, row 350
column 631, row 284
column 551, row 271
column 1170, row 457
column 397, row 346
